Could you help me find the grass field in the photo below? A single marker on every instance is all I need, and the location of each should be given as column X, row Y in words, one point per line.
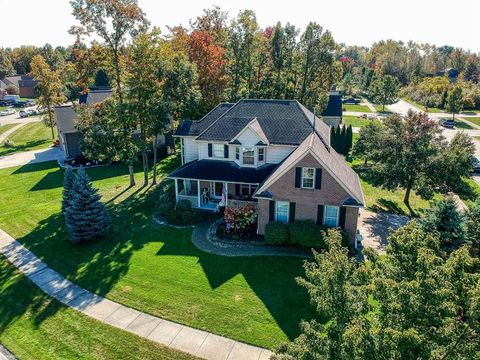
column 34, row 326
column 474, row 120
column 355, row 121
column 356, row 107
column 154, row 268
column 6, row 127
column 29, row 137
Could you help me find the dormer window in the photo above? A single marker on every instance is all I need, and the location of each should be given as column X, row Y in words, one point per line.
column 218, row 150
column 248, row 156
column 308, row 178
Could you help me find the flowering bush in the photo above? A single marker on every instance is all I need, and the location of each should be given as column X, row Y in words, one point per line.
column 240, row 219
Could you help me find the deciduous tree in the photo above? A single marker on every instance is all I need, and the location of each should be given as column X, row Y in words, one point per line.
column 454, row 102
column 49, row 88
column 384, row 90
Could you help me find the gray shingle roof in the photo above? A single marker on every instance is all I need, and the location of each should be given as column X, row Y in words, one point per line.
column 194, row 128
column 215, row 170
column 95, row 96
column 66, row 117
column 283, row 121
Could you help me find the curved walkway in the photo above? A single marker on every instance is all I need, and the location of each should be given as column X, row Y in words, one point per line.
column 180, row 337
column 205, row 239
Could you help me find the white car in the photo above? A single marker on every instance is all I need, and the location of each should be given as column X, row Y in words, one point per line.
column 7, row 112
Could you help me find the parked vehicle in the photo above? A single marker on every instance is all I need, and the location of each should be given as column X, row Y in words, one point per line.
column 20, row 104
column 32, row 112
column 448, row 124
column 6, row 102
column 3, row 113
column 476, row 165
column 351, row 100
column 23, row 114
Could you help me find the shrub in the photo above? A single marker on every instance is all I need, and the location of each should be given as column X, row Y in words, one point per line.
column 8, row 143
column 242, row 218
column 184, row 205
column 307, row 233
column 276, row 234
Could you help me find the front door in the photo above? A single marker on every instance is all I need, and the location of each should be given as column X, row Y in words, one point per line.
column 216, row 189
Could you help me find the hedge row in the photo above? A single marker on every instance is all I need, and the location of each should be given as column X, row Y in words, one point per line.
column 303, row 233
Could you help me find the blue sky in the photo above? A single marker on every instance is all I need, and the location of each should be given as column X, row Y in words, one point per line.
column 353, row 22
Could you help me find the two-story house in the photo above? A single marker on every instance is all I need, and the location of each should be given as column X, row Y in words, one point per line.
column 272, row 153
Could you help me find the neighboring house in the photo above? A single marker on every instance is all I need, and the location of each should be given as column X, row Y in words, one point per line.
column 69, row 137
column 267, row 153
column 24, row 83
column 332, row 115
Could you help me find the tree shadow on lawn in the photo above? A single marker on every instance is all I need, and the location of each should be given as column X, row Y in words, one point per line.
column 4, row 151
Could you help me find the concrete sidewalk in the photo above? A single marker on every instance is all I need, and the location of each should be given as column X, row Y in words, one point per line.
column 31, row 157
column 180, row 337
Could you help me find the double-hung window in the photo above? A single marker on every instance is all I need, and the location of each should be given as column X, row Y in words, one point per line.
column 261, row 154
column 237, row 153
column 247, row 189
column 248, row 156
column 281, row 211
column 308, row 178
column 218, row 150
column 331, row 216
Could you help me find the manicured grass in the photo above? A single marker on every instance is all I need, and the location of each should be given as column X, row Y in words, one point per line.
column 477, row 138
column 29, row 137
column 471, row 192
column 35, row 326
column 474, row 120
column 423, row 108
column 355, row 107
column 460, row 124
column 6, row 127
column 380, row 109
column 355, row 121
column 154, row 268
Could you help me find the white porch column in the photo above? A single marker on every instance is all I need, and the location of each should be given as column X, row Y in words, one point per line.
column 176, row 190
column 226, row 195
column 198, row 194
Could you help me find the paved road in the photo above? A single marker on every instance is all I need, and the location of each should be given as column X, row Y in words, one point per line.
column 31, row 157
column 15, row 118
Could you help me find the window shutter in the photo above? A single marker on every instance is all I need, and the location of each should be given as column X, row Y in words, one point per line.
column 320, row 214
column 291, row 212
column 225, row 151
column 237, row 189
column 318, row 178
column 210, row 152
column 271, row 212
column 298, row 177
column 343, row 213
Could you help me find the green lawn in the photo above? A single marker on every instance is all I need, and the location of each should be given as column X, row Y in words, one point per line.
column 355, row 121
column 460, row 124
column 477, row 138
column 423, row 108
column 6, row 127
column 34, row 326
column 474, row 120
column 29, row 137
column 355, row 107
column 154, row 268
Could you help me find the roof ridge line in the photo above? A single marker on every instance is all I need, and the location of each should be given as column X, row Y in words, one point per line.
column 221, row 116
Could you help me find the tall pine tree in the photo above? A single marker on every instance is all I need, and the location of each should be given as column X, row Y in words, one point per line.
column 68, row 181
column 349, row 139
column 87, row 217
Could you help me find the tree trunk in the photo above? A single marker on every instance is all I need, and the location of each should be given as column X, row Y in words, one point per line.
column 132, row 177
column 406, row 199
column 118, row 80
column 50, row 120
column 154, row 180
column 145, row 168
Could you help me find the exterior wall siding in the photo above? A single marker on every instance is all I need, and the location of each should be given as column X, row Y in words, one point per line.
column 277, row 153
column 307, row 200
column 190, row 149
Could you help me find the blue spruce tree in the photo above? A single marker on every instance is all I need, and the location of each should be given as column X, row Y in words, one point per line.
column 68, row 180
column 87, row 217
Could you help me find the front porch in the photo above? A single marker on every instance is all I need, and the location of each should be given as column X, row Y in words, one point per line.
column 211, row 195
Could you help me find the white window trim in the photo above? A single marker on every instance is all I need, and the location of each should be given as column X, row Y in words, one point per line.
column 313, row 178
column 237, row 153
column 288, row 210
column 337, row 220
column 254, row 156
column 222, row 151
column 264, row 154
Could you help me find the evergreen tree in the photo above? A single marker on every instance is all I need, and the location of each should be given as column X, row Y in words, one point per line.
column 87, row 217
column 102, row 78
column 68, row 180
column 343, row 141
column 349, row 138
